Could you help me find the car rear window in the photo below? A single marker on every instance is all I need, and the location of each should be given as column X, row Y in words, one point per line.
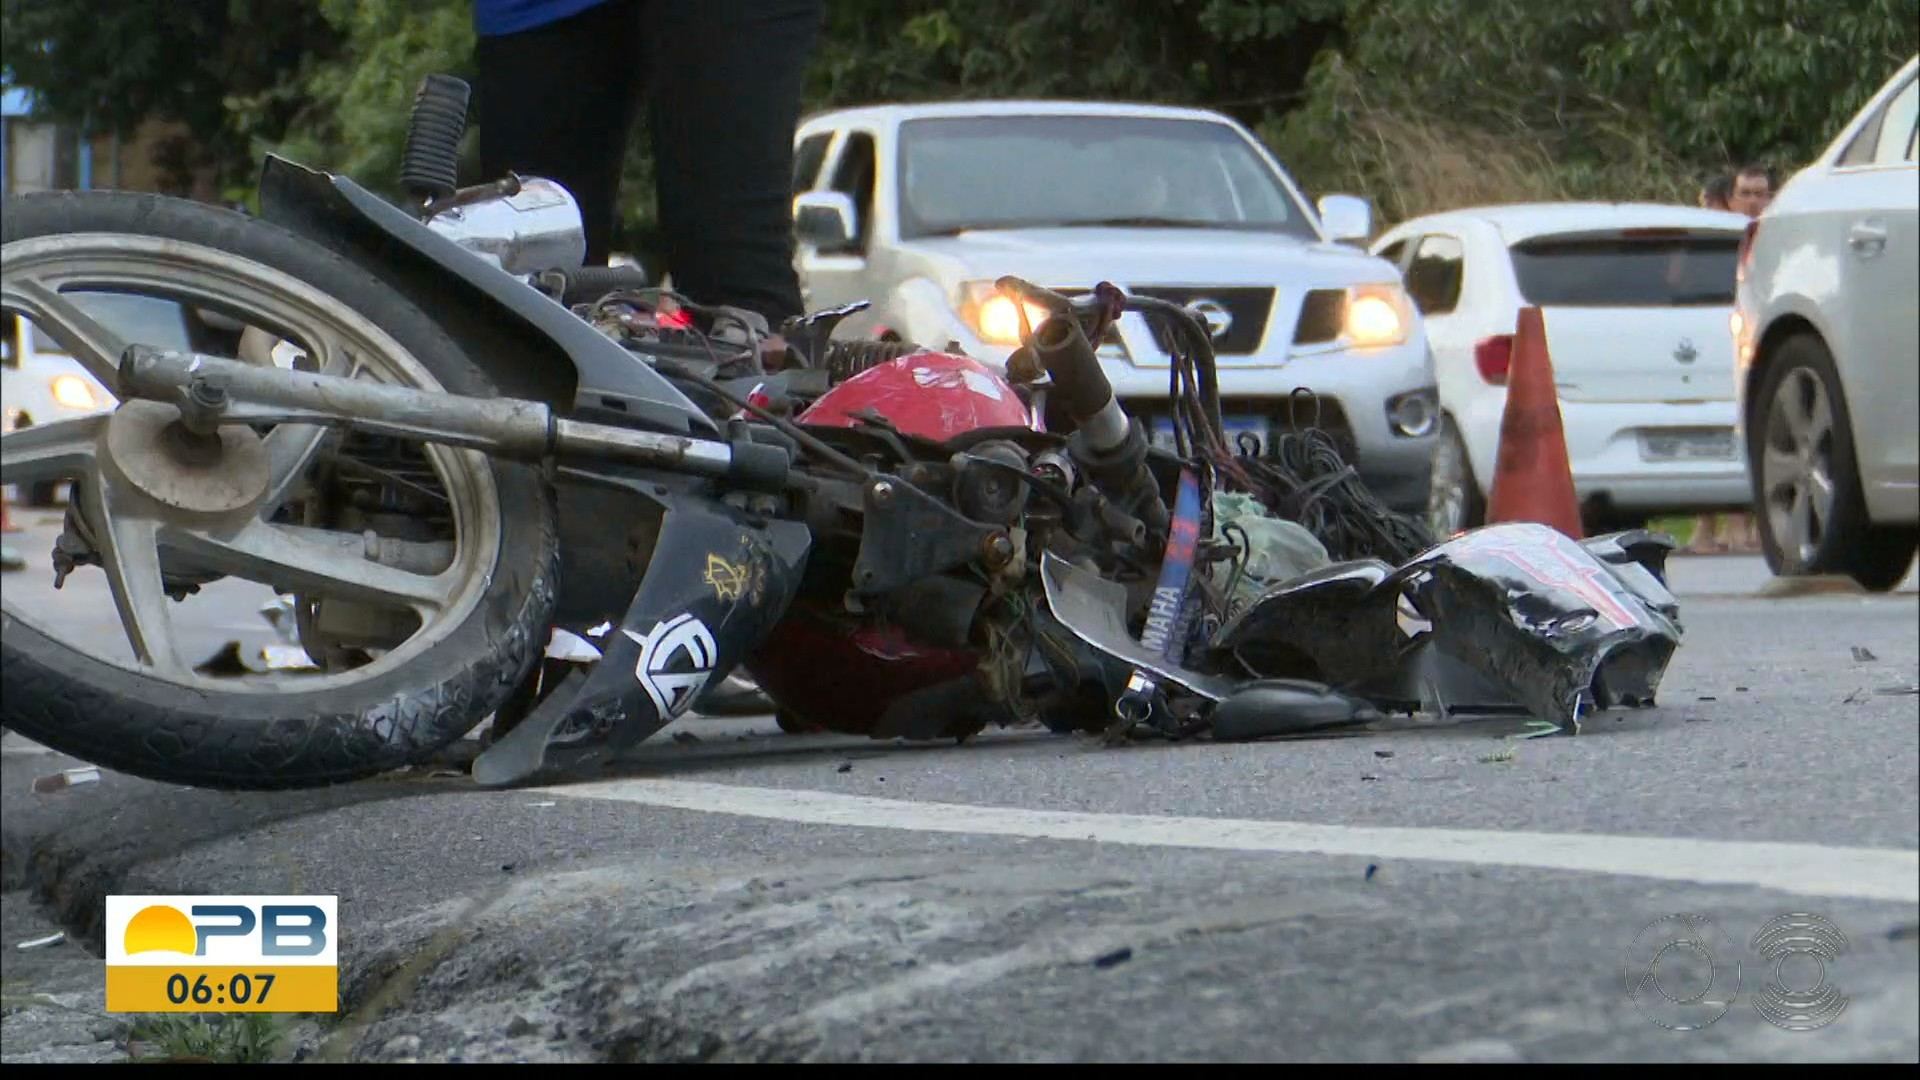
column 1627, row 270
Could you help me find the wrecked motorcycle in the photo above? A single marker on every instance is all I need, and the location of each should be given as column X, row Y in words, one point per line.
column 498, row 483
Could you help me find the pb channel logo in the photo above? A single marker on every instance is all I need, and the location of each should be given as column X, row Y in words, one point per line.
column 223, row 954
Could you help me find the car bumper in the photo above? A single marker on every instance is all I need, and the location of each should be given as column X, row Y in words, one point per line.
column 1364, row 399
column 1609, row 464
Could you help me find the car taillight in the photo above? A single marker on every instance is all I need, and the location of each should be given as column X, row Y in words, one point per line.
column 1746, row 252
column 1492, row 357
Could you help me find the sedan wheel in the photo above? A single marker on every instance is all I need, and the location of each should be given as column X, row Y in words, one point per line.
column 1812, row 513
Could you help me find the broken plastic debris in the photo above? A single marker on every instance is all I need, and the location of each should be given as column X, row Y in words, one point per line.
column 542, row 805
column 234, row 661
column 567, row 645
column 1864, row 654
column 40, row 943
column 282, row 615
column 601, row 630
column 86, row 774
column 1899, row 691
column 281, row 657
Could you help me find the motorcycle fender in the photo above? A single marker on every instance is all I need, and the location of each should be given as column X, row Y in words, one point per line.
column 530, row 345
column 716, row 584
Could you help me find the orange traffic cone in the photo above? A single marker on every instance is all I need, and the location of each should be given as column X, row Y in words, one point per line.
column 1533, row 480
column 6, row 523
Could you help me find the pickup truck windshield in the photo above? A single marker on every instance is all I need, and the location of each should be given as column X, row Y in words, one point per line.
column 1034, row 172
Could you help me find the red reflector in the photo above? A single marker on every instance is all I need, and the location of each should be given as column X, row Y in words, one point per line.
column 1492, row 357
column 677, row 319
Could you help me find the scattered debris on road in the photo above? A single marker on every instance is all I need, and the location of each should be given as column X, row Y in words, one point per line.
column 685, row 738
column 844, row 767
column 1113, row 959
column 1864, row 654
column 1500, row 757
column 85, row 774
column 1855, row 697
column 1383, row 753
column 1899, row 691
column 42, row 942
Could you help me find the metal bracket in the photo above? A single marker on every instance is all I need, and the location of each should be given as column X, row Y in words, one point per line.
column 908, row 535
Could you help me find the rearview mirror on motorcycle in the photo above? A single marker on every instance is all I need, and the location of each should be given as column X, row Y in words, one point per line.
column 825, row 221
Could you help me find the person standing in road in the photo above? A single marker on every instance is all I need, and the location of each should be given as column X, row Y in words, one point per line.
column 560, row 87
column 1749, row 192
column 1709, row 529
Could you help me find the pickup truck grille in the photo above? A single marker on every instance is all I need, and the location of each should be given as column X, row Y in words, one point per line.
column 1248, row 307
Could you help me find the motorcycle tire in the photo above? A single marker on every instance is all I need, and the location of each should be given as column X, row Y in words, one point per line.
column 139, row 723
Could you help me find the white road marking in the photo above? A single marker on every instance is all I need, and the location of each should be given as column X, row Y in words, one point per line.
column 1802, row 869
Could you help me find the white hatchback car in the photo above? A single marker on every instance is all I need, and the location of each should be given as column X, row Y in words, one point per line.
column 1635, row 298
column 1828, row 342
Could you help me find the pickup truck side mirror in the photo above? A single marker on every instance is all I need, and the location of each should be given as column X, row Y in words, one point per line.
column 825, row 221
column 1346, row 218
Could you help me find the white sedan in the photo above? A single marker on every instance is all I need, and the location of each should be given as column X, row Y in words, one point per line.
column 1829, row 352
column 1635, row 298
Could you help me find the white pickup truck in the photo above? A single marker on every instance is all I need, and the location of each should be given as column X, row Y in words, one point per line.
column 919, row 208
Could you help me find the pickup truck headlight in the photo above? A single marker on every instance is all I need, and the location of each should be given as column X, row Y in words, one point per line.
column 72, row 392
column 993, row 315
column 1378, row 315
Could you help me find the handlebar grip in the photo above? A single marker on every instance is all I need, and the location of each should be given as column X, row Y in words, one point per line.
column 585, row 284
column 430, row 163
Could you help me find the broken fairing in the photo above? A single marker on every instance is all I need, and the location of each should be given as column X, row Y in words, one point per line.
column 1506, row 618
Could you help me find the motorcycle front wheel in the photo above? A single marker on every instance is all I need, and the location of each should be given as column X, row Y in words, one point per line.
column 422, row 578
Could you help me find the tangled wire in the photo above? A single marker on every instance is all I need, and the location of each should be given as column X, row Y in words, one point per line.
column 1302, row 479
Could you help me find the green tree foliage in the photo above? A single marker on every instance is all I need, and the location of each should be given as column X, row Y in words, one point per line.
column 112, row 63
column 1438, row 102
column 1416, row 103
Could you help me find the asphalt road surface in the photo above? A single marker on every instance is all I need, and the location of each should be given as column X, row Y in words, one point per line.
column 1441, row 893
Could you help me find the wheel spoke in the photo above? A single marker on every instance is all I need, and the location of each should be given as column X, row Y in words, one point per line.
column 62, row 450
column 1800, row 524
column 1819, row 493
column 1777, row 466
column 1819, row 413
column 315, row 562
column 93, row 345
column 129, row 550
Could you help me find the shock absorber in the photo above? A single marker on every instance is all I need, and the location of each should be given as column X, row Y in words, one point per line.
column 430, row 164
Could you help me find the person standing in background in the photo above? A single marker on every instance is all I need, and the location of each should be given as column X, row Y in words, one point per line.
column 1748, row 192
column 1708, row 529
column 1752, row 190
column 1716, row 192
column 560, row 87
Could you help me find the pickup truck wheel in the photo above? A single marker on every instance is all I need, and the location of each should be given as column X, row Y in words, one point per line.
column 1455, row 503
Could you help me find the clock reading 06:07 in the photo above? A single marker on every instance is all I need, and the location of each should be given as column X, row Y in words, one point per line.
column 242, row 989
